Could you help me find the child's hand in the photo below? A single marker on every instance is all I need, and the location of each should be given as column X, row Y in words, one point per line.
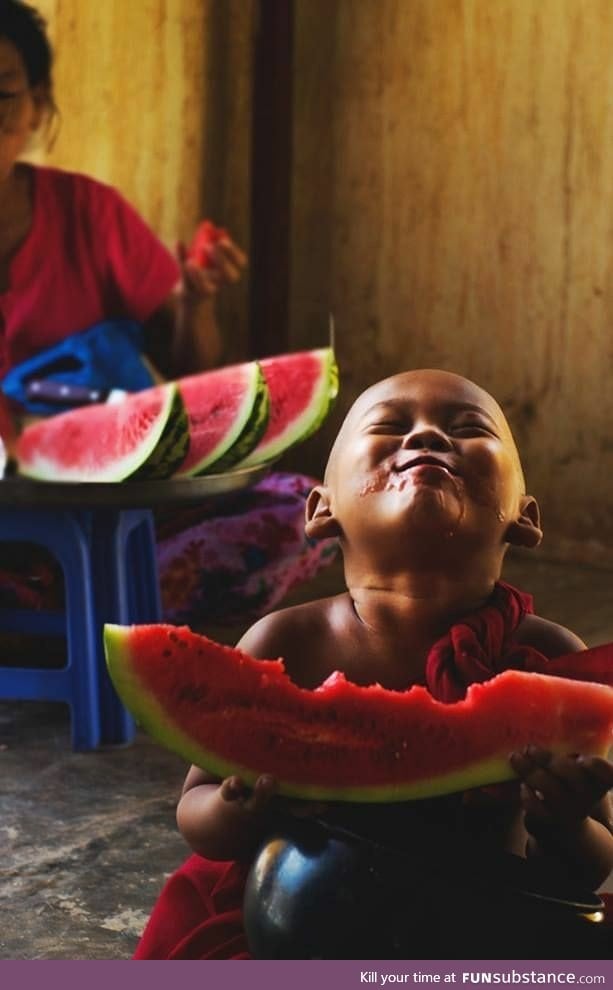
column 253, row 800
column 259, row 799
column 559, row 791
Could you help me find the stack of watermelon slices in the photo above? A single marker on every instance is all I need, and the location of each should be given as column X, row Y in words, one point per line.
column 240, row 416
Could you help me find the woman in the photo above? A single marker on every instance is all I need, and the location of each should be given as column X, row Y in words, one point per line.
column 73, row 254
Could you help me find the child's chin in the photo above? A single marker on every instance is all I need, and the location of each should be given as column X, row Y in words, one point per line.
column 434, row 508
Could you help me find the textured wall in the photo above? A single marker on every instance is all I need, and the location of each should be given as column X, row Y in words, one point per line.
column 453, row 190
column 155, row 99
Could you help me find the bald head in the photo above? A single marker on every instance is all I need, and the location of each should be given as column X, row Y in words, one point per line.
column 441, row 394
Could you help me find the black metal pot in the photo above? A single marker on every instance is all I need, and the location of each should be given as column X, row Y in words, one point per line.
column 319, row 891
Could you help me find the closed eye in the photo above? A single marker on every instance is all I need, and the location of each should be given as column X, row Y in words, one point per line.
column 472, row 430
column 389, row 427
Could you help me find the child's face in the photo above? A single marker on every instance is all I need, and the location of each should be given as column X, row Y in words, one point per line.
column 424, row 457
column 20, row 106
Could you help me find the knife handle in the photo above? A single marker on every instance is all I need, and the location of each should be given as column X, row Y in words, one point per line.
column 47, row 390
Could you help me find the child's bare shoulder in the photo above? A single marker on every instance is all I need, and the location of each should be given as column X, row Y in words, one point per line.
column 302, row 635
column 549, row 638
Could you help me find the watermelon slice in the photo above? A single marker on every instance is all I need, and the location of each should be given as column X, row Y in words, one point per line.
column 202, row 245
column 222, row 710
column 302, row 387
column 227, row 410
column 144, row 435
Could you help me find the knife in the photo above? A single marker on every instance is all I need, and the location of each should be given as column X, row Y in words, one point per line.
column 61, row 394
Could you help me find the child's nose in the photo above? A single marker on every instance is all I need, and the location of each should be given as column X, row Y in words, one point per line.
column 426, row 436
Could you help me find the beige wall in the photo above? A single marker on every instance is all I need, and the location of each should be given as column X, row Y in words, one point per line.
column 144, row 92
column 453, row 204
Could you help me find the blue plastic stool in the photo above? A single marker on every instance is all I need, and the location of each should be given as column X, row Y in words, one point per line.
column 110, row 575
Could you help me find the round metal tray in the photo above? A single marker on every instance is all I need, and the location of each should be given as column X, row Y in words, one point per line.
column 23, row 493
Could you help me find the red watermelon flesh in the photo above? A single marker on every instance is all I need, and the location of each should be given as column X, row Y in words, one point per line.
column 302, row 388
column 225, row 711
column 227, row 412
column 144, row 434
column 202, row 245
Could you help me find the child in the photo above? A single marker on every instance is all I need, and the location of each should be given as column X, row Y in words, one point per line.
column 425, row 492
column 73, row 254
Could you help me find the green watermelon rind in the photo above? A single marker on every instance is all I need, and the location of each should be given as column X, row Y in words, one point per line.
column 311, row 418
column 151, row 717
column 147, row 460
column 244, row 433
column 251, row 434
column 172, row 446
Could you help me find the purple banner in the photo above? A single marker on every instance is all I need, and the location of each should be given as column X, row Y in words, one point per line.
column 304, row 975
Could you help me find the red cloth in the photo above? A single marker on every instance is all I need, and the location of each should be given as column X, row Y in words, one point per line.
column 198, row 914
column 481, row 645
column 88, row 257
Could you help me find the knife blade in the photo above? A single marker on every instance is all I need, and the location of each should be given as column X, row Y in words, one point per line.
column 62, row 394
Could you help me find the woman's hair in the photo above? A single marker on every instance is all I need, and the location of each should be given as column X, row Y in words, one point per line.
column 22, row 25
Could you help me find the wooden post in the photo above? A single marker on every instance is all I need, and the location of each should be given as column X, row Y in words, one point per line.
column 271, row 179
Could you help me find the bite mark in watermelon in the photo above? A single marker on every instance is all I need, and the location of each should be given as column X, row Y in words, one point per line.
column 229, row 713
column 227, row 411
column 143, row 436
column 302, row 388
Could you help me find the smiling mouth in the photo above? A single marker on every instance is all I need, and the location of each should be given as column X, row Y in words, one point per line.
column 426, row 460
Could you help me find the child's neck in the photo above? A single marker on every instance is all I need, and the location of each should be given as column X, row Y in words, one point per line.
column 422, row 606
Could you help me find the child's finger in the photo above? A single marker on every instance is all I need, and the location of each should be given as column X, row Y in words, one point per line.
column 264, row 789
column 585, row 783
column 536, row 769
column 579, row 782
column 533, row 804
column 599, row 770
column 232, row 789
column 566, row 788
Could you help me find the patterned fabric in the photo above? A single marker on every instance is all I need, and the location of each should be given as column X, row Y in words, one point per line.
column 227, row 560
column 234, row 559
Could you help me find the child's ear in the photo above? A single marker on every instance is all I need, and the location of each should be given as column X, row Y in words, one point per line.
column 525, row 531
column 319, row 520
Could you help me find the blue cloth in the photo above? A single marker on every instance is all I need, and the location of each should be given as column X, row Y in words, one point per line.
column 107, row 355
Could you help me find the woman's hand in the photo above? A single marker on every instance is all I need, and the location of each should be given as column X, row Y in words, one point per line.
column 212, row 260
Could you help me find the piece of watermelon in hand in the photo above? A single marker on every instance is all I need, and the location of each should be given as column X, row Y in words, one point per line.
column 344, row 741
column 203, row 242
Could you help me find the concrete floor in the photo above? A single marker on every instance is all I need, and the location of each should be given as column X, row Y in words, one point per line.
column 87, row 840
